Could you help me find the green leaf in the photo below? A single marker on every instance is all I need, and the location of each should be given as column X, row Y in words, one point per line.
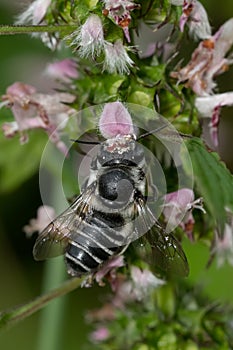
column 141, row 95
column 107, row 87
column 19, row 162
column 158, row 11
column 151, row 75
column 213, row 180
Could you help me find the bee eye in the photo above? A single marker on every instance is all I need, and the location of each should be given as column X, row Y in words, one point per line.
column 102, row 159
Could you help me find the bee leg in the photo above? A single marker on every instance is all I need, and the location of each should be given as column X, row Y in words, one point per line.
column 123, row 249
column 154, row 197
column 88, row 281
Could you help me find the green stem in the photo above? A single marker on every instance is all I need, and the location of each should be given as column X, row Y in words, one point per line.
column 10, row 30
column 9, row 318
column 52, row 317
column 50, row 330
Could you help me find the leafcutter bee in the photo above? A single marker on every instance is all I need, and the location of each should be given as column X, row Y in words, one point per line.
column 109, row 214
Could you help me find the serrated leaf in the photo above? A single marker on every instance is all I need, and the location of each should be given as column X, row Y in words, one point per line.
column 214, row 181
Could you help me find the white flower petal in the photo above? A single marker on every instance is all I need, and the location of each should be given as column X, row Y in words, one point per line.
column 34, row 13
column 205, row 105
column 116, row 58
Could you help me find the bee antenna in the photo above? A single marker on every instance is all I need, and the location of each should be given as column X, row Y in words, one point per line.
column 86, row 142
column 161, row 128
column 151, row 132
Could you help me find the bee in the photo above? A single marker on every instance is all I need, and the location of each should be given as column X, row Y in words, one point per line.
column 109, row 214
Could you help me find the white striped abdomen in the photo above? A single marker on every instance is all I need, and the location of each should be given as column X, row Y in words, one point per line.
column 97, row 238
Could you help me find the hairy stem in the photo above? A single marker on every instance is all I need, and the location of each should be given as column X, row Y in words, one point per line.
column 10, row 317
column 11, row 30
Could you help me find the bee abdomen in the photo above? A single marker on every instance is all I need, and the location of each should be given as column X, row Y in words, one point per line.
column 80, row 259
column 94, row 243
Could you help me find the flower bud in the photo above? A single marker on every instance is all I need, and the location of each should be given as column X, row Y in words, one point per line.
column 116, row 58
column 89, row 39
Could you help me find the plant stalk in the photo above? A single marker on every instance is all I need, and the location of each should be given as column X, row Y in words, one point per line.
column 11, row 317
column 18, row 29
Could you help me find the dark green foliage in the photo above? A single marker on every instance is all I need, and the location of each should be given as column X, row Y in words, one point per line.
column 173, row 317
column 214, row 181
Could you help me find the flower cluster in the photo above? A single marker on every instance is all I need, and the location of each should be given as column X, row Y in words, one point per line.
column 223, row 245
column 194, row 14
column 35, row 13
column 33, row 110
column 64, row 71
column 89, row 38
column 144, row 312
column 119, row 11
column 89, row 41
column 210, row 107
column 45, row 214
column 208, row 60
column 167, row 318
column 135, row 288
column 178, row 207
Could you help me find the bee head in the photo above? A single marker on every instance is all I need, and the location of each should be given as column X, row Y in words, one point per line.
column 120, row 150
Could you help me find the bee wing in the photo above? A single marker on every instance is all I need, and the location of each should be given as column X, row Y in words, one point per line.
column 165, row 252
column 53, row 240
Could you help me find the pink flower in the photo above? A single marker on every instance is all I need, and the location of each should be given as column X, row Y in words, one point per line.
column 195, row 15
column 89, row 38
column 208, row 60
column 106, row 312
column 143, row 282
column 117, row 59
column 119, row 11
column 223, row 248
column 178, row 208
column 210, row 107
column 123, row 292
column 35, row 15
column 64, row 70
column 33, row 110
column 35, row 12
column 136, row 288
column 100, row 334
column 110, row 268
column 45, row 215
column 126, row 290
column 115, row 120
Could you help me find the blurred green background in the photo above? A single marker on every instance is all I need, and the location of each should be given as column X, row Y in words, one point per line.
column 23, row 59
